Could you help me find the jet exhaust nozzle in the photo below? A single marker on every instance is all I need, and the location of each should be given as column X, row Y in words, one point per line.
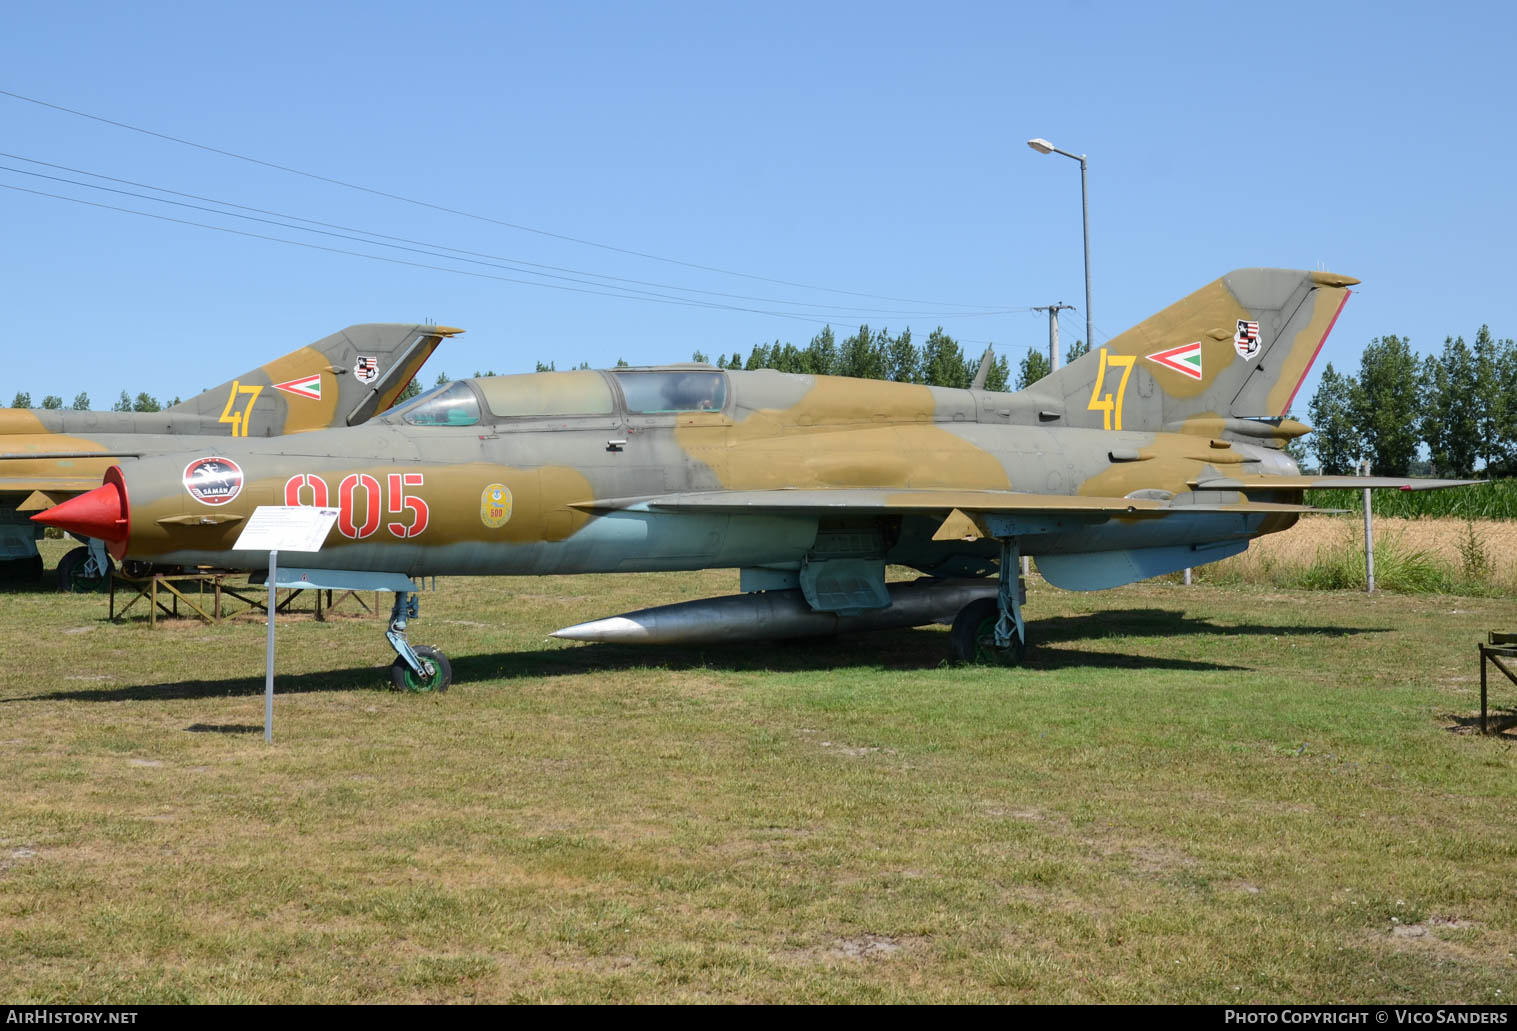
column 771, row 615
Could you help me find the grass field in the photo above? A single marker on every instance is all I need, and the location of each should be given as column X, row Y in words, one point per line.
column 1427, row 555
column 1210, row 794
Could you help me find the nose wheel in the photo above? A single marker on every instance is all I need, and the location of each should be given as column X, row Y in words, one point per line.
column 419, row 668
column 404, row 678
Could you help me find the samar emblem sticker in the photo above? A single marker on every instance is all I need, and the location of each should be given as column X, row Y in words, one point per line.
column 495, row 505
column 213, row 481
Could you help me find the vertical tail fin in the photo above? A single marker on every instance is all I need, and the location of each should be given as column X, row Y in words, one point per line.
column 340, row 380
column 1239, row 347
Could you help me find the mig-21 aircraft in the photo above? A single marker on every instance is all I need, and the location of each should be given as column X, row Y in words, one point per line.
column 1161, row 450
column 49, row 456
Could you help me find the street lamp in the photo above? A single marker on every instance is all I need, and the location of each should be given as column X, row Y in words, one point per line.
column 1042, row 146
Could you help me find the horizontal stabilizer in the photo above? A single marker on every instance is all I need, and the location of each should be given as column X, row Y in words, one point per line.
column 48, row 484
column 50, row 456
column 1264, row 481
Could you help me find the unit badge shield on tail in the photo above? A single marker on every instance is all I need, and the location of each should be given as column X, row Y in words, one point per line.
column 1246, row 340
column 366, row 369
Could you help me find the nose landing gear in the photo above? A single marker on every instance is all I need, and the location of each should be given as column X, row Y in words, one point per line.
column 417, row 668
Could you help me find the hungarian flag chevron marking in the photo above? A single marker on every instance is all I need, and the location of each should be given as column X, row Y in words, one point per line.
column 1185, row 360
column 307, row 386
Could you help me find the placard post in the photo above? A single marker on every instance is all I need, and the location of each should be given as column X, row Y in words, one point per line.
column 268, row 653
column 292, row 528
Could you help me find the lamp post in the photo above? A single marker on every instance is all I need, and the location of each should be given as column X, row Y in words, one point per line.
column 1042, row 146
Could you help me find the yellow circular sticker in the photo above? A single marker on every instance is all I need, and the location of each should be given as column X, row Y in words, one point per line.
column 495, row 505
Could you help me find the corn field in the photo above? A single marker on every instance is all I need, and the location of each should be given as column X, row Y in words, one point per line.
column 1494, row 500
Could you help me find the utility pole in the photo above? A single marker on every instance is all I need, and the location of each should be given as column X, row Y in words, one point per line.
column 1369, row 533
column 1042, row 146
column 1053, row 331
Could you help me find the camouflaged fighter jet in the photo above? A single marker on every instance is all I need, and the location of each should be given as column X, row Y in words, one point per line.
column 1161, row 450
column 49, row 456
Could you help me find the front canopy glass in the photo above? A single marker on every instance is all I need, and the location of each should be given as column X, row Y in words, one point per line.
column 452, row 404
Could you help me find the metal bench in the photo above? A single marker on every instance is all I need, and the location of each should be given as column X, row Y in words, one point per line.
column 1499, row 646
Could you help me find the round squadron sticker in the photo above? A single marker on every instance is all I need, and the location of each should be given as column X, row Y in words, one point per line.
column 213, row 481
column 495, row 505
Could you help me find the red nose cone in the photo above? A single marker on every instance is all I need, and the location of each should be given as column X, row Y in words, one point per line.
column 99, row 513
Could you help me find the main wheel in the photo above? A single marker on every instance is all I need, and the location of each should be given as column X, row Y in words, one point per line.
column 404, row 678
column 72, row 575
column 974, row 636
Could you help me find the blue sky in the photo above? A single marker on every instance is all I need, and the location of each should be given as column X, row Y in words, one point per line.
column 874, row 148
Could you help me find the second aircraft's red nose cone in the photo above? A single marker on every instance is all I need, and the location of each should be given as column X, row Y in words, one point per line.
column 98, row 513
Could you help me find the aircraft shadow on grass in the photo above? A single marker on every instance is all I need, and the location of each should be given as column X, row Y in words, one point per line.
column 919, row 649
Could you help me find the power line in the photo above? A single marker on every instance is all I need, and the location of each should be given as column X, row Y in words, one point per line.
column 516, row 264
column 470, row 214
column 624, row 295
column 839, row 310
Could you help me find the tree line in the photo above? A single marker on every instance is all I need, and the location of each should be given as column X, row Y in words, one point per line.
column 1460, row 403
column 143, row 402
column 876, row 354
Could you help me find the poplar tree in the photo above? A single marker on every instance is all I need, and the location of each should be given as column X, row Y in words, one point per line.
column 1450, row 417
column 943, row 361
column 1335, row 438
column 903, row 363
column 1033, row 368
column 1385, row 404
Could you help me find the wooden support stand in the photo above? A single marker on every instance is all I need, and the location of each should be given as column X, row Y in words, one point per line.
column 1499, row 646
column 204, row 595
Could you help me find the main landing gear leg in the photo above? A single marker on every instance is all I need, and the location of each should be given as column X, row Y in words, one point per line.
column 86, row 568
column 990, row 631
column 417, row 668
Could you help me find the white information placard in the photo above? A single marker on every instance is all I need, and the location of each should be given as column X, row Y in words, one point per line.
column 286, row 528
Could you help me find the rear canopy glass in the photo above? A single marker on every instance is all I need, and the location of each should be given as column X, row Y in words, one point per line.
column 546, row 394
column 687, row 391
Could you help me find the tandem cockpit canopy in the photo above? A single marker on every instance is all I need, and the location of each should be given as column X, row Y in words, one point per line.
column 552, row 395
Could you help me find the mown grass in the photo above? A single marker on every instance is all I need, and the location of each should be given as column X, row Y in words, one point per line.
column 1199, row 795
